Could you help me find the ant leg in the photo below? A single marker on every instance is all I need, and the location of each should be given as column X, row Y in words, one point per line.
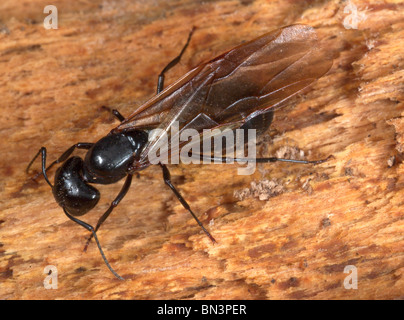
column 114, row 203
column 273, row 159
column 160, row 82
column 261, row 160
column 115, row 112
column 167, row 180
column 118, row 115
column 43, row 152
column 62, row 158
column 91, row 229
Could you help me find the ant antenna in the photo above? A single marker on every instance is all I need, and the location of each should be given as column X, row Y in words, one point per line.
column 90, row 228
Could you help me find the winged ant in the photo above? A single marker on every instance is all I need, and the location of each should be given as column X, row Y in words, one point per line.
column 238, row 89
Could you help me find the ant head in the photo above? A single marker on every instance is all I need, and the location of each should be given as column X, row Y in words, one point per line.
column 71, row 191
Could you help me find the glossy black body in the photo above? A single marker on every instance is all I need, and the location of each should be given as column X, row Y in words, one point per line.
column 106, row 162
column 71, row 191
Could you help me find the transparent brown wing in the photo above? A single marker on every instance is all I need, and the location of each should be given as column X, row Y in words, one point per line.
column 236, row 86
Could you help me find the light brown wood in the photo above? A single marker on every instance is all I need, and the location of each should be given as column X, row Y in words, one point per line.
column 294, row 245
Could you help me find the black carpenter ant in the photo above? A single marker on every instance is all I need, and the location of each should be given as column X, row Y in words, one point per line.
column 238, row 89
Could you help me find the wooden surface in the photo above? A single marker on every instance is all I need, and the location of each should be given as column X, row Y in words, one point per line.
column 293, row 245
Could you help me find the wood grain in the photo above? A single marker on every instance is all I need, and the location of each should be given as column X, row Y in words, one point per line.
column 294, row 245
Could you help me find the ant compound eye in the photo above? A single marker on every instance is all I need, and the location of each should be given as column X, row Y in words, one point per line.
column 71, row 191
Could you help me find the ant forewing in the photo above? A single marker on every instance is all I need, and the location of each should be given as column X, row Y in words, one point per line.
column 238, row 89
column 235, row 87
